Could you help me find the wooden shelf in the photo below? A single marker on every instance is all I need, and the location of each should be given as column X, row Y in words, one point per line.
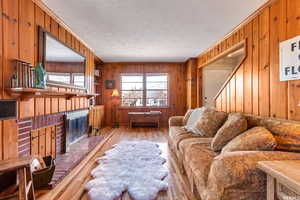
column 28, row 93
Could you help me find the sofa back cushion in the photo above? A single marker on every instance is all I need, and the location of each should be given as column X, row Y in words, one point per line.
column 255, row 139
column 209, row 122
column 187, row 116
column 286, row 132
column 195, row 115
column 235, row 125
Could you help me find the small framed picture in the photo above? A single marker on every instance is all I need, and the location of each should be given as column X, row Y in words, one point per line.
column 109, row 84
column 97, row 72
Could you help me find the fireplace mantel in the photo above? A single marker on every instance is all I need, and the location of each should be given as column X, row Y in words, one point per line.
column 24, row 94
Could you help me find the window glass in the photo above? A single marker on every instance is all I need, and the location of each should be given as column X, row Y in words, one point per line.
column 78, row 79
column 144, row 90
column 59, row 77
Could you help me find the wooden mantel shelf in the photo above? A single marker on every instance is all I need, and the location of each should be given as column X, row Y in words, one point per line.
column 28, row 93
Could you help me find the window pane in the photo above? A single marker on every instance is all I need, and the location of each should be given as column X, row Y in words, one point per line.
column 157, row 102
column 64, row 78
column 132, row 86
column 132, row 94
column 127, row 79
column 157, row 94
column 157, row 85
column 132, row 102
column 157, row 78
column 79, row 80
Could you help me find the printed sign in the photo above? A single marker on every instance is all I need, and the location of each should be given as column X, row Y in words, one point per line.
column 290, row 59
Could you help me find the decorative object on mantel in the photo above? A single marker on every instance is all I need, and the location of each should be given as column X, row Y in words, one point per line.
column 23, row 76
column 28, row 82
column 138, row 169
column 40, row 76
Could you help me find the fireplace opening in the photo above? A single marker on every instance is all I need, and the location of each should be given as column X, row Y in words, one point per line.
column 76, row 126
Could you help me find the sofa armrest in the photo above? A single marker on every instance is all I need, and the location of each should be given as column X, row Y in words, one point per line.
column 176, row 121
column 236, row 173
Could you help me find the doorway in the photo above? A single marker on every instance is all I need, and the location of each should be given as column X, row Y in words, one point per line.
column 218, row 72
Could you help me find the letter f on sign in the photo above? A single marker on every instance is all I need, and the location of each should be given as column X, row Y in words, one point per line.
column 294, row 45
column 286, row 70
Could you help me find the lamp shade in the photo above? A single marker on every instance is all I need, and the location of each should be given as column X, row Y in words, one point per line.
column 115, row 93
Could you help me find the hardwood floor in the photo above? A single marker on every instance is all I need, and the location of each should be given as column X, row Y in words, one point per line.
column 75, row 190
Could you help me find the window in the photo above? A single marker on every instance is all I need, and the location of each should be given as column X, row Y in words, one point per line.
column 68, row 78
column 78, row 79
column 150, row 89
column 132, row 90
column 59, row 77
column 156, row 90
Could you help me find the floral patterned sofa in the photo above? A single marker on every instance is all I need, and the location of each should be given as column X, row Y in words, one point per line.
column 213, row 175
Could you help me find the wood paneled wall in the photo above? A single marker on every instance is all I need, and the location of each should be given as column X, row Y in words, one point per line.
column 191, row 83
column 19, row 23
column 255, row 87
column 43, row 142
column 177, row 88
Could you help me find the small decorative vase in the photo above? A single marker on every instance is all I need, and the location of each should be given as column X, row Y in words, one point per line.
column 40, row 76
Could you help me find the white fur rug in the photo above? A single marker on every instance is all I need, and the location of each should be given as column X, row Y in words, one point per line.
column 133, row 166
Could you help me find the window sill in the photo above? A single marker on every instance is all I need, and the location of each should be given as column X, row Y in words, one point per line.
column 142, row 107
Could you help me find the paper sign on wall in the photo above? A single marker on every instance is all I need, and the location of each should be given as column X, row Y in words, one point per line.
column 290, row 59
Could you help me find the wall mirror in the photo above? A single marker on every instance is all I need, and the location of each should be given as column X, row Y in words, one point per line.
column 219, row 71
column 64, row 66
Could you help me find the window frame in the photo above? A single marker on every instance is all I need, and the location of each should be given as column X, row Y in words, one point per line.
column 144, row 90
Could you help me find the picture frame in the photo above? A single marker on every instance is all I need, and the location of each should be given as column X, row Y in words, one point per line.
column 110, row 84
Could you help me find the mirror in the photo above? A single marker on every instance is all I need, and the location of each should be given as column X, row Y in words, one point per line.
column 63, row 65
column 218, row 72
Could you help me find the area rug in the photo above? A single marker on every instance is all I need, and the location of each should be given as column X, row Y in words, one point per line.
column 132, row 166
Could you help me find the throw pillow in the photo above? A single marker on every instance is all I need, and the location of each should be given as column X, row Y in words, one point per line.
column 209, row 122
column 255, row 139
column 235, row 125
column 187, row 116
column 193, row 118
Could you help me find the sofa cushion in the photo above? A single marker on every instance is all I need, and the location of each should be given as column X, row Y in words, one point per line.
column 235, row 125
column 286, row 132
column 187, row 116
column 174, row 132
column 209, row 122
column 177, row 134
column 254, row 139
column 188, row 142
column 195, row 115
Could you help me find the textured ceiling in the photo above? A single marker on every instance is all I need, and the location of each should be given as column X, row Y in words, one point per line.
column 151, row 30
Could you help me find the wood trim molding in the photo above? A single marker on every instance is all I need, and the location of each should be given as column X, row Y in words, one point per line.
column 239, row 26
column 231, row 49
column 45, row 8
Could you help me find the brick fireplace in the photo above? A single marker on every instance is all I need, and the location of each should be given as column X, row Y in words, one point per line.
column 26, row 128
